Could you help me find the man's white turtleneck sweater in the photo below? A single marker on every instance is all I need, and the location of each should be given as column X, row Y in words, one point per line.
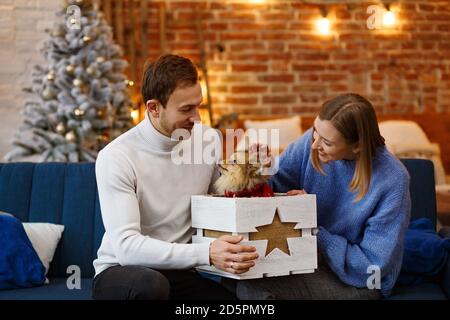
column 145, row 202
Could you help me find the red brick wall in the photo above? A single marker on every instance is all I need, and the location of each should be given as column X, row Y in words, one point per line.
column 275, row 62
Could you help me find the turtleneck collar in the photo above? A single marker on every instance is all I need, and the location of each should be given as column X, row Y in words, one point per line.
column 155, row 138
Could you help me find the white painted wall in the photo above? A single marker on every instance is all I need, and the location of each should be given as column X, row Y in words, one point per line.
column 22, row 25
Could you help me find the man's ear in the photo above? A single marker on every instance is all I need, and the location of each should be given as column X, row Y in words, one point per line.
column 153, row 107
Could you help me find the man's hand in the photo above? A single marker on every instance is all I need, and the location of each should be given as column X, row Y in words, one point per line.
column 226, row 254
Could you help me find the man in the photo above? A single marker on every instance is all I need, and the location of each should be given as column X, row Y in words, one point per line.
column 145, row 201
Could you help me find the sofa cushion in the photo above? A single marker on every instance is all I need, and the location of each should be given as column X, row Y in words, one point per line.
column 424, row 291
column 59, row 193
column 422, row 189
column 45, row 238
column 56, row 290
column 425, row 253
column 289, row 130
column 20, row 265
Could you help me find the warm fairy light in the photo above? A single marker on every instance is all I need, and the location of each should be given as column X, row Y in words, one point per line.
column 135, row 115
column 323, row 26
column 204, row 116
column 204, row 90
column 204, row 87
column 78, row 112
column 388, row 18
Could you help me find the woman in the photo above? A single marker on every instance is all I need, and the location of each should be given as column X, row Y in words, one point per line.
column 363, row 206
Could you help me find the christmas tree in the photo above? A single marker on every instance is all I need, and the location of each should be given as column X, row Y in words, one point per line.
column 80, row 101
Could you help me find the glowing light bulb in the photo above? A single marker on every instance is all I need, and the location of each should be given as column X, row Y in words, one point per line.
column 204, row 89
column 135, row 115
column 323, row 26
column 388, row 19
column 204, row 116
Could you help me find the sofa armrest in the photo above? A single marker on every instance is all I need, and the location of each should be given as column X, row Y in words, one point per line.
column 444, row 232
column 445, row 284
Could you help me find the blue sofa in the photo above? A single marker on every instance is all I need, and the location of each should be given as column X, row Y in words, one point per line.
column 67, row 194
column 63, row 194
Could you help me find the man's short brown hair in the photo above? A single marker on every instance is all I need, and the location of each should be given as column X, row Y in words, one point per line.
column 164, row 75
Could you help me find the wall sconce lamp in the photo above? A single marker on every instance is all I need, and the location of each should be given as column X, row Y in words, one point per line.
column 323, row 24
column 388, row 17
column 205, row 108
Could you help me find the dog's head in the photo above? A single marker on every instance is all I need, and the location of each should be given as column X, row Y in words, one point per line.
column 241, row 171
column 240, row 162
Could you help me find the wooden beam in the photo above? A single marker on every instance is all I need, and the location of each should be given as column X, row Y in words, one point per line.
column 202, row 62
column 119, row 22
column 106, row 6
column 131, row 41
column 144, row 29
column 162, row 27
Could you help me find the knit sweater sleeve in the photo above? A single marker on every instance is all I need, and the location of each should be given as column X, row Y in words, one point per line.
column 289, row 165
column 116, row 182
column 381, row 245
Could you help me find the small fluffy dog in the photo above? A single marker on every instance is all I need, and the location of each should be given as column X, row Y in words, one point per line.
column 242, row 177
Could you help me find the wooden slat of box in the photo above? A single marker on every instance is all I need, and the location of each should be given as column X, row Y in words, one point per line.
column 277, row 232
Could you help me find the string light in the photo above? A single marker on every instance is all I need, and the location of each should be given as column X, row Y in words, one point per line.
column 204, row 116
column 135, row 115
column 78, row 112
column 204, row 88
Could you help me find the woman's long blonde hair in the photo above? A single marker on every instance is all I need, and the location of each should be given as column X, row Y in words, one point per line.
column 354, row 117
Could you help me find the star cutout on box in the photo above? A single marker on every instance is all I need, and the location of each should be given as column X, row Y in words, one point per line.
column 276, row 233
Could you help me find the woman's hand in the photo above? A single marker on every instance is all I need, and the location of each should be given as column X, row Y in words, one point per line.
column 295, row 192
column 262, row 154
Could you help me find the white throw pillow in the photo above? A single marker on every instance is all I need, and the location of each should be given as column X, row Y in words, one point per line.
column 290, row 129
column 406, row 139
column 45, row 238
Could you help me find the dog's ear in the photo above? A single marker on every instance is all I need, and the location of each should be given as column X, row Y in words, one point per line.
column 253, row 170
column 222, row 168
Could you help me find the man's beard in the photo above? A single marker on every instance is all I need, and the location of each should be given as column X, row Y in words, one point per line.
column 165, row 126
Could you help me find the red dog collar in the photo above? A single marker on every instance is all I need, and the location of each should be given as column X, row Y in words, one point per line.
column 260, row 190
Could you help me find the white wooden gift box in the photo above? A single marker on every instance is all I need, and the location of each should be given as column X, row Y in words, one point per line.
column 216, row 215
